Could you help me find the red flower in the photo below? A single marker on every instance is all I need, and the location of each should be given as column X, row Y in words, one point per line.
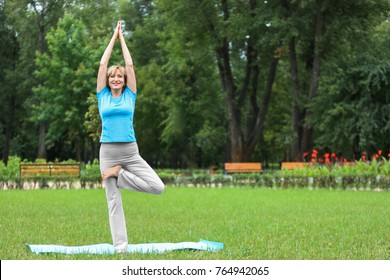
column 327, row 160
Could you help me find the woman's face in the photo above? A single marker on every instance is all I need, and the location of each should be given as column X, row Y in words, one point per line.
column 117, row 80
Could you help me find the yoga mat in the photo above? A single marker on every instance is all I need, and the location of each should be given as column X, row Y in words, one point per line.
column 105, row 248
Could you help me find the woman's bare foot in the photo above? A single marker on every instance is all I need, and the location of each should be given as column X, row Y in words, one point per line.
column 111, row 172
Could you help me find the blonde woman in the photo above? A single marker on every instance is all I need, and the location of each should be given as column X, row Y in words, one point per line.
column 121, row 165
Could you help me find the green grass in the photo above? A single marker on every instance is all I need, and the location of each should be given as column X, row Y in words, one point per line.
column 273, row 224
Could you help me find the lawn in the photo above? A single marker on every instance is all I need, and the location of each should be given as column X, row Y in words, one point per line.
column 255, row 224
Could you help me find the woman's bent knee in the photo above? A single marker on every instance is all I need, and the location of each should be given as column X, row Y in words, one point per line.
column 159, row 188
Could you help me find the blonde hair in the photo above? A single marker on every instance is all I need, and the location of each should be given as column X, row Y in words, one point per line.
column 111, row 71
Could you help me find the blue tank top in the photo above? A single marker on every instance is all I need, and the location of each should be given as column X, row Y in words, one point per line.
column 117, row 115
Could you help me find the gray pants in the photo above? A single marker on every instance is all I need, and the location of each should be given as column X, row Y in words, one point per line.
column 136, row 175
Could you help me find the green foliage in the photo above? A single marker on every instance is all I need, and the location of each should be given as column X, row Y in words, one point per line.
column 11, row 171
column 92, row 120
column 360, row 110
column 90, row 175
column 67, row 80
column 352, row 114
column 11, row 81
column 346, row 32
column 151, row 111
column 179, row 113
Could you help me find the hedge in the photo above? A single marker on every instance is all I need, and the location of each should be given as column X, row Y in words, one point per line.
column 361, row 176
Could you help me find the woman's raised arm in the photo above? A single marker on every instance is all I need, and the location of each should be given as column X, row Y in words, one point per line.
column 102, row 79
column 130, row 73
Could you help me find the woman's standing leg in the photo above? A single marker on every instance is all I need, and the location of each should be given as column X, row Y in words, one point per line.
column 114, row 201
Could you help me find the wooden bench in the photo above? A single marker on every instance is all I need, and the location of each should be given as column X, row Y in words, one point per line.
column 294, row 165
column 243, row 167
column 58, row 170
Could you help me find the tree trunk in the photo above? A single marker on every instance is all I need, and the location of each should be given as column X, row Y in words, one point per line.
column 295, row 150
column 42, row 152
column 9, row 131
column 242, row 140
column 7, row 144
column 308, row 129
column 9, row 119
column 227, row 80
column 258, row 127
column 233, row 114
column 303, row 131
column 78, row 147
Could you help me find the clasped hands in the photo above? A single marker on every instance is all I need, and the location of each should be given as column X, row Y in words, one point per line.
column 118, row 31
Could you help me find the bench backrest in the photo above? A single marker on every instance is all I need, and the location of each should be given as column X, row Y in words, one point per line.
column 238, row 167
column 50, row 169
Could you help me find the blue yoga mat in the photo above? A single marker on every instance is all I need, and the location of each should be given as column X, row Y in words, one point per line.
column 105, row 248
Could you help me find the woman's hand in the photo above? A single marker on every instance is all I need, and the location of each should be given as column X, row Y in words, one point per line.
column 117, row 31
column 120, row 34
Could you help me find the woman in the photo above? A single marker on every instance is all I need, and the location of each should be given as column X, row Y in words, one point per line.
column 120, row 163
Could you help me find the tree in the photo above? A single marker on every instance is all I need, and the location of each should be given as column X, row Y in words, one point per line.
column 315, row 30
column 32, row 19
column 246, row 61
column 9, row 103
column 353, row 110
column 193, row 127
column 67, row 77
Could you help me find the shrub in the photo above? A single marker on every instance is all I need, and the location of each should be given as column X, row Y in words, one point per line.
column 362, row 175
